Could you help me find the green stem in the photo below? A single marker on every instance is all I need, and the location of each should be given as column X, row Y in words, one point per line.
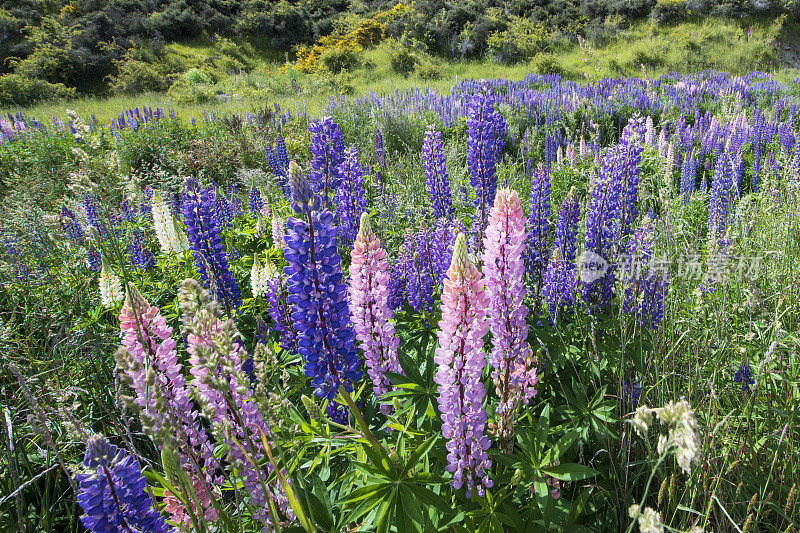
column 360, row 419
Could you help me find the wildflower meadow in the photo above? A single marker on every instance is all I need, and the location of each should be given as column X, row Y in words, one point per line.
column 533, row 305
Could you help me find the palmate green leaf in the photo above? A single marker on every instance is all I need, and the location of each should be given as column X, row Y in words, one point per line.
column 421, row 451
column 570, row 472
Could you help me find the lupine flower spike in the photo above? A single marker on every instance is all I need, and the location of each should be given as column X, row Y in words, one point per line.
column 503, row 268
column 110, row 287
column 460, row 361
column 369, row 307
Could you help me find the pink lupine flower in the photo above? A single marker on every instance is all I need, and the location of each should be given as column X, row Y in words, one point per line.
column 461, row 360
column 369, row 307
column 503, row 268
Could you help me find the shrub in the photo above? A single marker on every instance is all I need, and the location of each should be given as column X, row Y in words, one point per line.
column 16, row 89
column 135, row 76
column 426, row 70
column 340, row 58
column 184, row 92
column 521, row 40
column 402, row 60
column 197, row 76
column 547, row 64
column 668, row 11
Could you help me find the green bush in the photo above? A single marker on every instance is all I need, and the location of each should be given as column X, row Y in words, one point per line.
column 185, row 92
column 135, row 76
column 338, row 59
column 547, row 64
column 16, row 89
column 196, row 76
column 521, row 40
column 426, row 70
column 669, row 11
column 402, row 60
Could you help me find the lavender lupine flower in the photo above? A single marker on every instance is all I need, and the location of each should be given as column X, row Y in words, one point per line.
column 688, row 177
column 350, row 197
column 369, row 308
column 436, row 174
column 721, row 200
column 560, row 278
column 513, row 374
column 278, row 231
column 327, row 148
column 538, row 226
column 483, row 126
column 224, row 389
column 317, row 294
column 743, row 376
column 460, row 361
column 235, row 202
column 631, row 390
column 205, row 241
column 113, row 494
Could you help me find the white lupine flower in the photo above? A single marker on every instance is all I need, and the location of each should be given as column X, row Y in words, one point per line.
column 261, row 224
column 110, row 287
column 164, row 225
column 255, row 277
column 278, row 231
column 683, row 432
column 649, row 520
column 649, row 133
column 641, row 420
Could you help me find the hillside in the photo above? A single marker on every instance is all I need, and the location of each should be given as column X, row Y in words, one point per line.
column 212, row 50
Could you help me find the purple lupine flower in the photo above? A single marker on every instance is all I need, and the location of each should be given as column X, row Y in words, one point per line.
column 744, row 376
column 721, row 200
column 560, row 278
column 254, row 201
column 379, row 149
column 280, row 152
column 72, row 227
column 93, row 258
column 503, row 270
column 327, row 149
column 204, row 235
column 281, row 315
column 645, row 288
column 631, row 147
column 602, row 232
column 436, row 174
column 235, row 202
column 94, row 217
column 113, row 494
column 631, row 390
column 141, row 256
column 350, row 197
column 460, row 361
column 688, row 177
column 317, row 294
column 483, row 126
column 538, row 226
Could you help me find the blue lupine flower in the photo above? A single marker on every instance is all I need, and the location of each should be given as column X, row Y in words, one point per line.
column 71, row 227
column 350, row 198
column 721, row 199
column 93, row 258
column 203, row 232
column 93, row 215
column 436, row 174
column 688, row 177
column 141, row 256
column 113, row 494
column 743, row 376
column 327, row 148
column 337, row 412
column 317, row 293
column 254, row 201
column 537, row 250
column 631, row 390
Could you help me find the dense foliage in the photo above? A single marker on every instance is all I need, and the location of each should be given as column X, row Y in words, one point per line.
column 525, row 305
column 48, row 48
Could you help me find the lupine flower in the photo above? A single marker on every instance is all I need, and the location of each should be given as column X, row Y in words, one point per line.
column 278, row 231
column 71, row 227
column 317, row 294
column 688, row 177
column 171, row 239
column 538, row 225
column 113, row 494
column 483, row 126
column 224, row 389
column 631, row 148
column 337, row 412
column 141, row 256
column 278, row 168
column 350, row 197
column 148, row 362
column 631, row 390
column 369, row 307
column 744, row 376
column 93, row 258
column 460, row 361
column 93, row 215
column 110, row 287
column 280, row 152
column 436, row 174
column 503, row 270
column 235, row 202
column 281, row 314
column 327, row 148
column 721, row 200
column 254, row 201
column 260, row 276
column 206, row 243
column 645, row 288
